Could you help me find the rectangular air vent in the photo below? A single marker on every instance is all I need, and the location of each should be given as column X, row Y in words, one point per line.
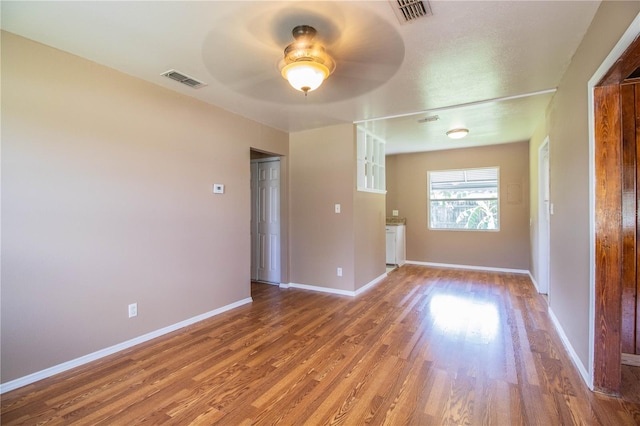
column 410, row 10
column 183, row 78
column 429, row 119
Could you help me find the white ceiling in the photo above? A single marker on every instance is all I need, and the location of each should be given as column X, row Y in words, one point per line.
column 489, row 66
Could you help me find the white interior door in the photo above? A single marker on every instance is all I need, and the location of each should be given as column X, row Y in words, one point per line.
column 544, row 210
column 266, row 220
column 254, row 221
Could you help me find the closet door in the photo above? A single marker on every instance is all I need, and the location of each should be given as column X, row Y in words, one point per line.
column 266, row 217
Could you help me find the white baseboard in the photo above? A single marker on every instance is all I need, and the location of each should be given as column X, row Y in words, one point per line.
column 48, row 372
column 335, row 290
column 572, row 353
column 370, row 284
column 533, row 280
column 323, row 289
column 475, row 268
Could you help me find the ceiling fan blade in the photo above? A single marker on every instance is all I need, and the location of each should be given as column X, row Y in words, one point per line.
column 367, row 53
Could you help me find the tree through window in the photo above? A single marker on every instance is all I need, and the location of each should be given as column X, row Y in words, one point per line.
column 464, row 199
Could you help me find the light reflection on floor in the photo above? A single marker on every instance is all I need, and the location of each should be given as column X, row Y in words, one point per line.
column 458, row 315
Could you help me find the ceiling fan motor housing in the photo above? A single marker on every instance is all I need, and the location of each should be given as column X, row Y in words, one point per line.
column 305, row 49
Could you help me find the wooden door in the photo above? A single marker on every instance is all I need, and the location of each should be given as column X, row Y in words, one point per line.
column 630, row 336
column 608, row 228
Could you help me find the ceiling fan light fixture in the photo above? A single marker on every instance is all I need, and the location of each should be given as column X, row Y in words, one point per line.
column 305, row 76
column 457, row 133
column 306, row 64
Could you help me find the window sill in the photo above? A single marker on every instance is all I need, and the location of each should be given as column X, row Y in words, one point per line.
column 375, row 191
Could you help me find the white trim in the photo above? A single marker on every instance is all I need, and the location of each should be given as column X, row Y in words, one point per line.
column 335, row 290
column 370, row 284
column 572, row 353
column 371, row 190
column 476, row 268
column 625, row 41
column 273, row 271
column 468, row 104
column 322, row 289
column 544, row 262
column 533, row 280
column 56, row 369
column 497, row 198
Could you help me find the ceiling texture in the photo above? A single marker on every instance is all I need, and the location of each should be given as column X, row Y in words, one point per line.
column 489, row 66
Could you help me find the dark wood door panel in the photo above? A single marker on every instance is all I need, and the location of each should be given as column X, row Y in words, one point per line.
column 608, row 235
column 636, row 126
column 629, row 219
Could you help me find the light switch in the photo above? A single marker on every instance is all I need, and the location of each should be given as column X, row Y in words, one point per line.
column 218, row 188
column 337, row 208
column 394, row 213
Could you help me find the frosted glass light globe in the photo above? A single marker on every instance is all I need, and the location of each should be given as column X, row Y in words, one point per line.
column 305, row 75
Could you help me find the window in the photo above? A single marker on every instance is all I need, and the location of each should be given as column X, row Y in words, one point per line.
column 464, row 199
column 371, row 162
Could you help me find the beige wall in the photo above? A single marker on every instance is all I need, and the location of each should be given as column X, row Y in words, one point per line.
column 322, row 175
column 569, row 293
column 508, row 248
column 391, row 168
column 370, row 237
column 106, row 200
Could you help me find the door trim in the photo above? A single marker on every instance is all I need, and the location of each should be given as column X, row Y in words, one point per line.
column 544, row 254
column 254, row 224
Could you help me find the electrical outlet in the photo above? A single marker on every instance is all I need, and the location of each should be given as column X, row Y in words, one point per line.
column 133, row 310
column 394, row 213
column 339, row 272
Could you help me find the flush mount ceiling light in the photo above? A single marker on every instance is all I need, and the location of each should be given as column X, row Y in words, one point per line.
column 457, row 133
column 306, row 64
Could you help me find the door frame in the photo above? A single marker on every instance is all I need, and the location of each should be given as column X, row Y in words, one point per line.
column 544, row 235
column 605, row 190
column 253, row 224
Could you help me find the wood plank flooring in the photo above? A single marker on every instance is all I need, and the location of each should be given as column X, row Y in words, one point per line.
column 426, row 346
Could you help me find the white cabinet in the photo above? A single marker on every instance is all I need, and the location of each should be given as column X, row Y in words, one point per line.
column 396, row 254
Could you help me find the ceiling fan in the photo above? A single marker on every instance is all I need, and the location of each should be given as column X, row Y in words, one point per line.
column 306, row 63
column 246, row 54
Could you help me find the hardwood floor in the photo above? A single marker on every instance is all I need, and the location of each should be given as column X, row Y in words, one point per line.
column 425, row 346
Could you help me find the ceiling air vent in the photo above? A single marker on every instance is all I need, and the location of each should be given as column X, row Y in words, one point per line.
column 183, row 78
column 429, row 119
column 410, row 10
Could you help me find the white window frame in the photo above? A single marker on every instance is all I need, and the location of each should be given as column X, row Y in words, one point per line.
column 429, row 200
column 370, row 156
